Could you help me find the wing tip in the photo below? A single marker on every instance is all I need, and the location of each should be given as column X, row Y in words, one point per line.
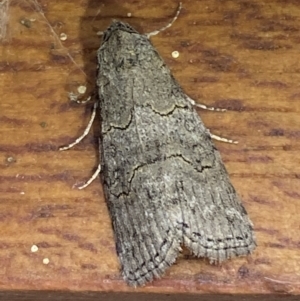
column 136, row 278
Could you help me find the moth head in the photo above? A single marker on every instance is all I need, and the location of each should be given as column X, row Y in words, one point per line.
column 117, row 26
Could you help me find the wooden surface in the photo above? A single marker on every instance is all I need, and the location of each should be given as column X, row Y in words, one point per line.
column 240, row 55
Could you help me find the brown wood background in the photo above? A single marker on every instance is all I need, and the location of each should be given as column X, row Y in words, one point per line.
column 241, row 55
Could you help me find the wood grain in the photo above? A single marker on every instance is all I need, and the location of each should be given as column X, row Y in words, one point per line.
column 240, row 55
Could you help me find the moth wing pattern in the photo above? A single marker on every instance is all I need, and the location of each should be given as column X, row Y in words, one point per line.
column 164, row 180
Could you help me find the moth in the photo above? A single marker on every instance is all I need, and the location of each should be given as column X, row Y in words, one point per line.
column 164, row 180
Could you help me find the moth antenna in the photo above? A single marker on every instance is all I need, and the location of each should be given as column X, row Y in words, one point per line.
column 153, row 33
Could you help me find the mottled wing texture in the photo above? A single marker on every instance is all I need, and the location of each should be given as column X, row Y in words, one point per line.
column 164, row 180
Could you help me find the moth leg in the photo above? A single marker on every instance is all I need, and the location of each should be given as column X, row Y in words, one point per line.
column 202, row 106
column 74, row 97
column 155, row 32
column 86, row 131
column 218, row 138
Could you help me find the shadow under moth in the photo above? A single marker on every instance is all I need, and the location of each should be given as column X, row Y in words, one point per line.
column 164, row 181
